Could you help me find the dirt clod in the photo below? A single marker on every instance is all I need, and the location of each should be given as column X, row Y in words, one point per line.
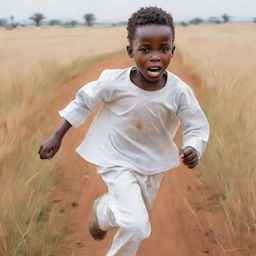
column 74, row 204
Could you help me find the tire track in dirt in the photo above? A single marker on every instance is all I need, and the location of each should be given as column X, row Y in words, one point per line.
column 186, row 219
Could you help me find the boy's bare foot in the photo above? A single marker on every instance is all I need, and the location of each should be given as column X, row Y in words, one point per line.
column 94, row 228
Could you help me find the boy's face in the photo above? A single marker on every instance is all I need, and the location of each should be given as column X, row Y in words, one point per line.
column 152, row 50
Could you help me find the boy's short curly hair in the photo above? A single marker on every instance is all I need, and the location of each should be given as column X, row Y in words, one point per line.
column 149, row 15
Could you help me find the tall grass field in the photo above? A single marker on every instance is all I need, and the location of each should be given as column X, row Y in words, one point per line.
column 33, row 61
column 224, row 59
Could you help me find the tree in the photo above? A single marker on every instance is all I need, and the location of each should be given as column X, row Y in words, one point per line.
column 89, row 19
column 196, row 21
column 214, row 20
column 122, row 23
column 37, row 18
column 226, row 18
column 3, row 23
column 9, row 25
column 13, row 23
column 54, row 22
column 254, row 19
column 183, row 23
column 71, row 23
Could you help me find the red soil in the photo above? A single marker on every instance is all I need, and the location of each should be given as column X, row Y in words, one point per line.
column 186, row 219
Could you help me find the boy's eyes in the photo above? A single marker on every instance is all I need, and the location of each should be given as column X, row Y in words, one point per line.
column 165, row 49
column 147, row 50
column 144, row 50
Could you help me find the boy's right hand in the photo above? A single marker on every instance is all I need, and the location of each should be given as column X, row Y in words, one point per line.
column 49, row 148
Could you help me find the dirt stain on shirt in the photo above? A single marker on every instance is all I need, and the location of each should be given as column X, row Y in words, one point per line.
column 139, row 126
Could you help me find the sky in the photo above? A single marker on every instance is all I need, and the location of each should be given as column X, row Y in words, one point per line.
column 120, row 10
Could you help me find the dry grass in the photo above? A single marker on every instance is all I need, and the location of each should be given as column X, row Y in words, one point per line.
column 25, row 49
column 33, row 61
column 224, row 57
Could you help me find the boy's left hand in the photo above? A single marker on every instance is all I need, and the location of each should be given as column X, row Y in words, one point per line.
column 189, row 157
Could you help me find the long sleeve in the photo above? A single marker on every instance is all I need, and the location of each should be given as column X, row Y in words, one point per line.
column 87, row 98
column 195, row 124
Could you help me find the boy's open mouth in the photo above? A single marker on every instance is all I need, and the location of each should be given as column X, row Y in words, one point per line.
column 154, row 69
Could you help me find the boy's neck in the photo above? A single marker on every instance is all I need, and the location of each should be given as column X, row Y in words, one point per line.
column 139, row 80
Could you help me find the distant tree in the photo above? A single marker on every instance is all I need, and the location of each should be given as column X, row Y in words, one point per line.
column 13, row 23
column 196, row 21
column 122, row 23
column 71, row 23
column 254, row 19
column 12, row 20
column 214, row 20
column 37, row 18
column 54, row 22
column 184, row 23
column 89, row 19
column 226, row 18
column 3, row 23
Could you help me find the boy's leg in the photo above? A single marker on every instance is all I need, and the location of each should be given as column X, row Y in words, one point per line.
column 149, row 185
column 124, row 206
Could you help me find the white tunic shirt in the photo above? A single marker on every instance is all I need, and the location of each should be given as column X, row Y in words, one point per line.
column 135, row 128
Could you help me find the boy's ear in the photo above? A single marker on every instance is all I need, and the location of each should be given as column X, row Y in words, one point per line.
column 173, row 49
column 129, row 51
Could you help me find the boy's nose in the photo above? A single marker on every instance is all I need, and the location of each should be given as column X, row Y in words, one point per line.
column 155, row 57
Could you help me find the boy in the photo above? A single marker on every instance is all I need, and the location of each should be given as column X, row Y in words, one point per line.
column 130, row 140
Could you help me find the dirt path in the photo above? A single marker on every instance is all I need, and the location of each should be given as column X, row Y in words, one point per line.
column 186, row 220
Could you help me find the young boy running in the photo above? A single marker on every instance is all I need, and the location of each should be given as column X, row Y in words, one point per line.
column 131, row 138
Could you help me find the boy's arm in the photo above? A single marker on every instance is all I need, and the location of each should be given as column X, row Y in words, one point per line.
column 50, row 147
column 76, row 112
column 195, row 128
column 87, row 98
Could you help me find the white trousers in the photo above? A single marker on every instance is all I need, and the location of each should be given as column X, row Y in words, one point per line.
column 126, row 205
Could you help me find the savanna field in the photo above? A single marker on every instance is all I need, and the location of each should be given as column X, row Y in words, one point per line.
column 33, row 61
